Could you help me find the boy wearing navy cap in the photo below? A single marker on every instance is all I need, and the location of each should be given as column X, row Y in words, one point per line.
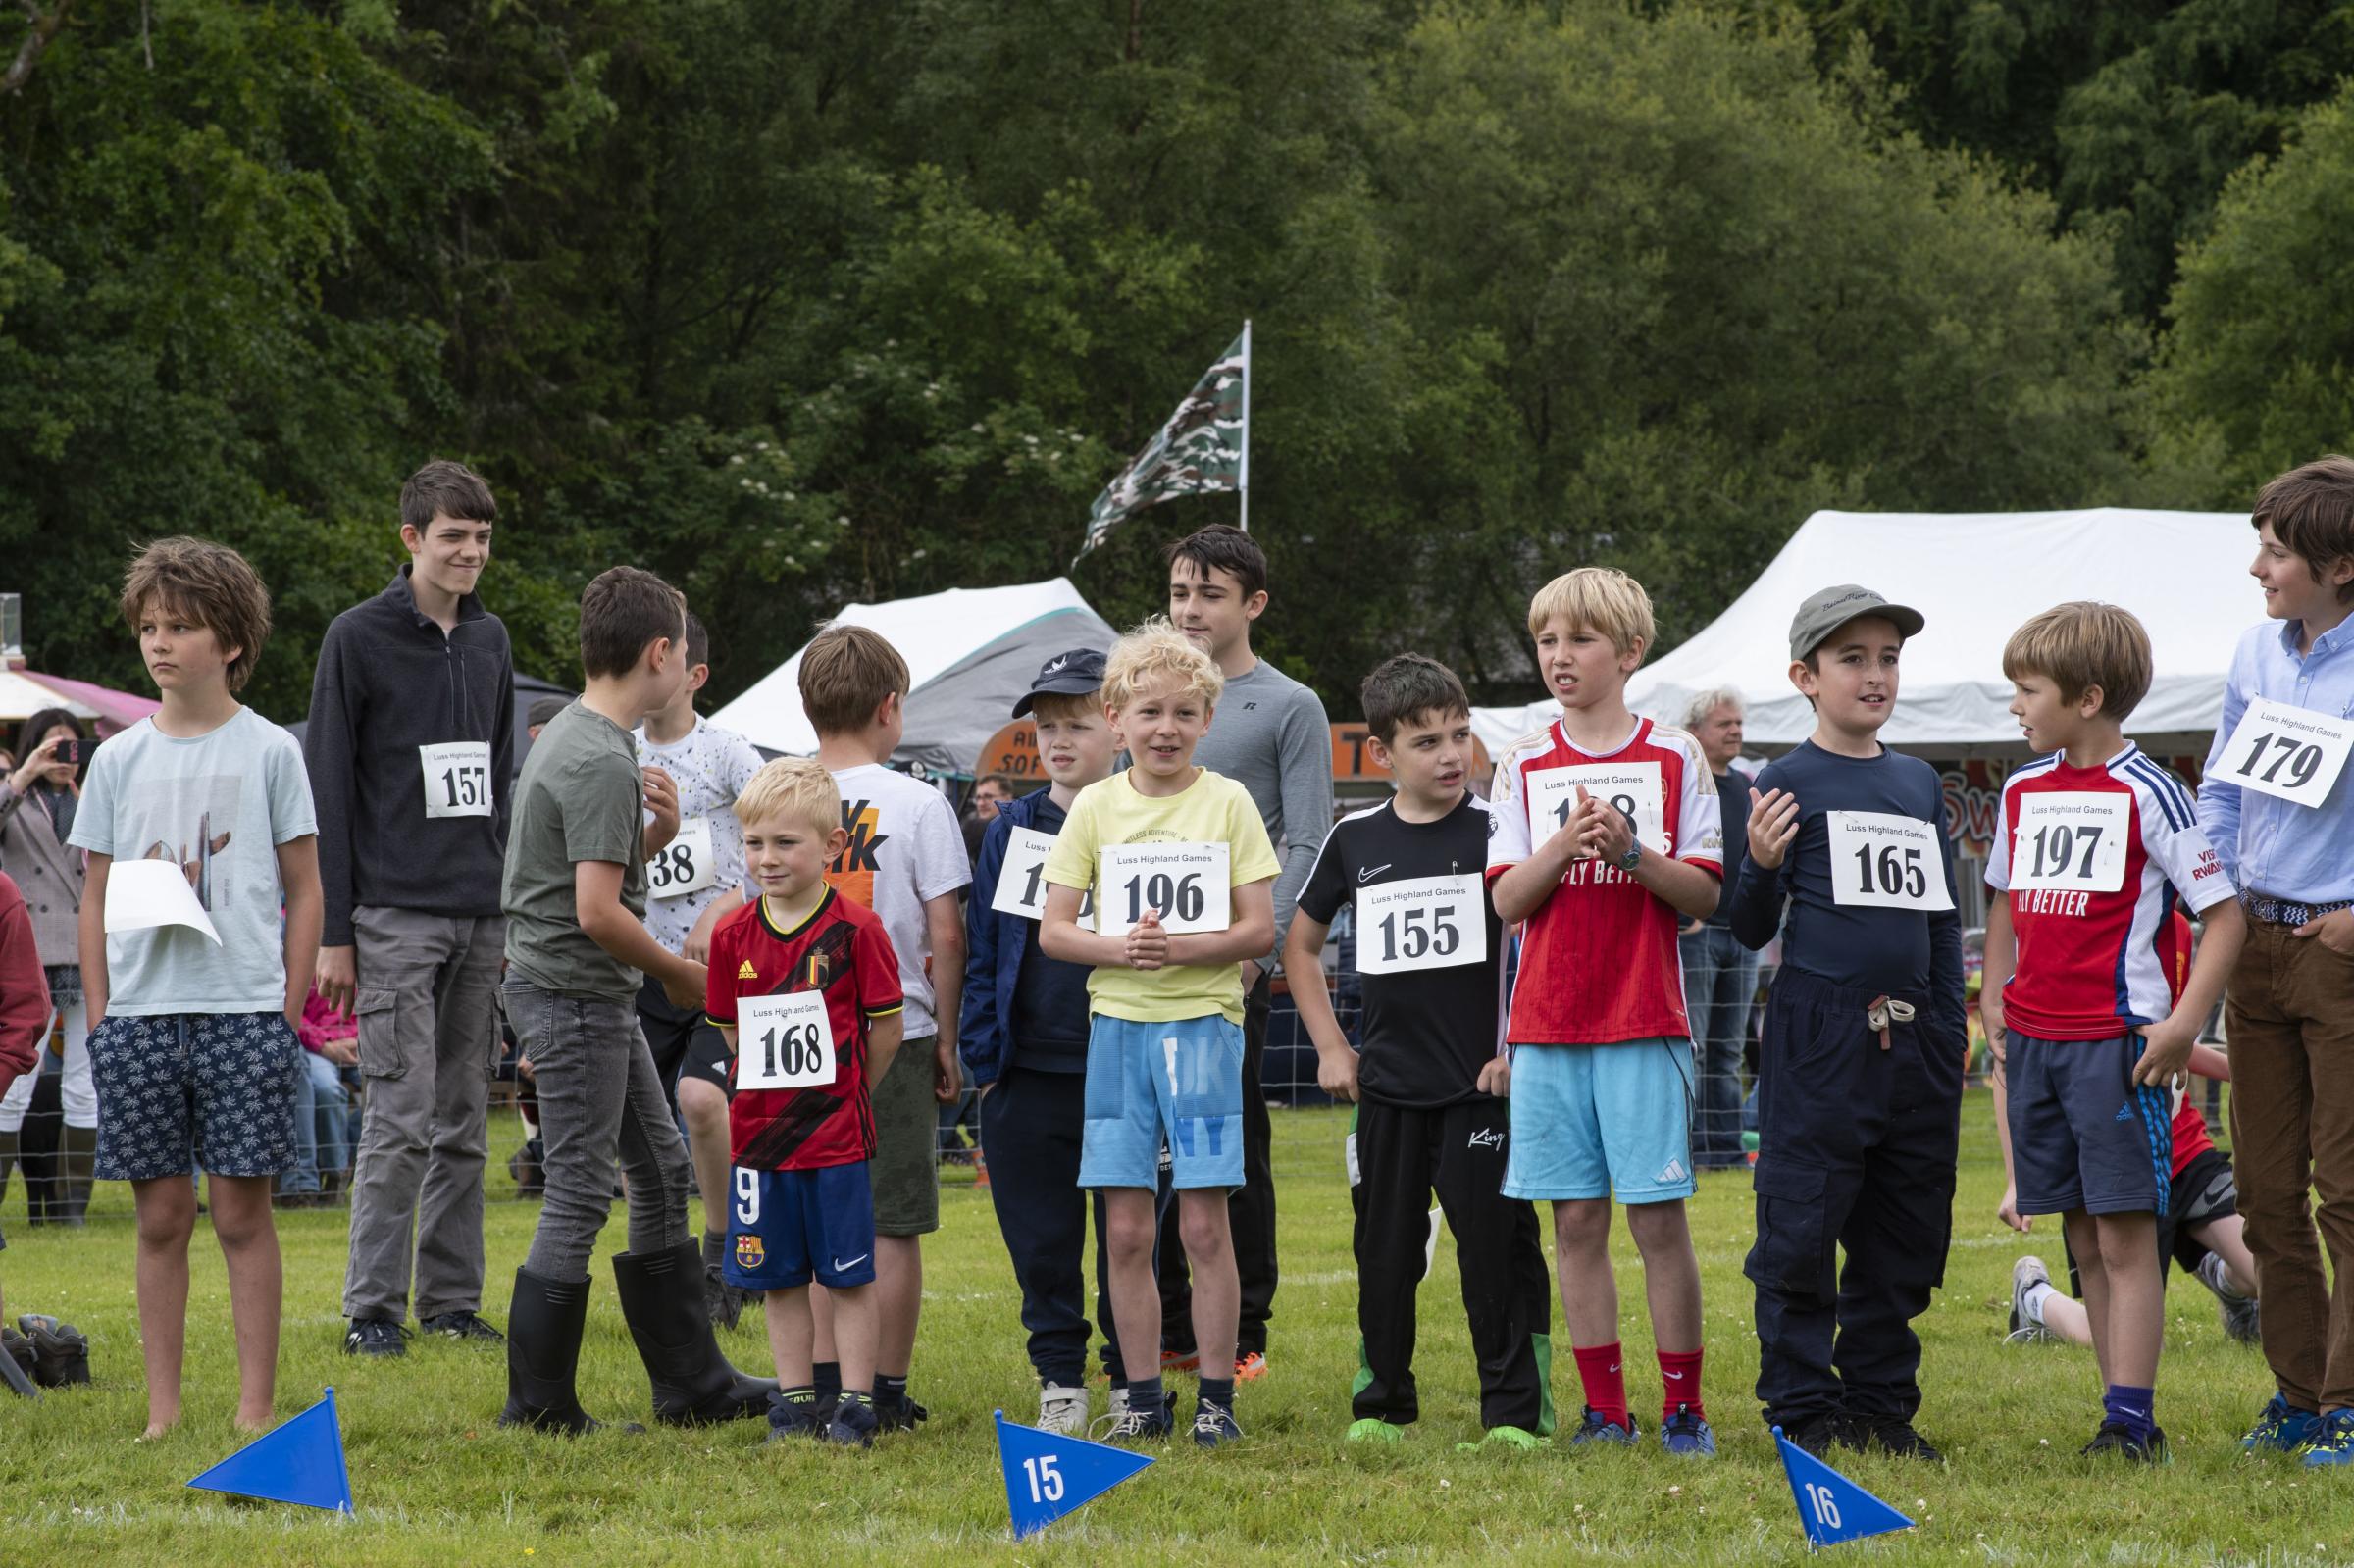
column 1023, row 1037
column 1859, row 1075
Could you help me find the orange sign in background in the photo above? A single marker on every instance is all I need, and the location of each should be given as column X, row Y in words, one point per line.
column 1014, row 752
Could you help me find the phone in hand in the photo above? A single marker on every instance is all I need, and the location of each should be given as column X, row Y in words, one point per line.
column 76, row 752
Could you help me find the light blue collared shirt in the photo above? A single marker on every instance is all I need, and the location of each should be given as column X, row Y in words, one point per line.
column 2303, row 854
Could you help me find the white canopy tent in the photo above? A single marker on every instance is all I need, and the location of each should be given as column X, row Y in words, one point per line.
column 971, row 653
column 1975, row 576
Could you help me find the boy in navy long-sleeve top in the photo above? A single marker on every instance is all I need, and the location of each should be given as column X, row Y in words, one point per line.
column 1860, row 1078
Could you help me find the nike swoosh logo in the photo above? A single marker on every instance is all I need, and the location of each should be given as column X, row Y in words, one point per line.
column 840, row 1266
column 1371, row 872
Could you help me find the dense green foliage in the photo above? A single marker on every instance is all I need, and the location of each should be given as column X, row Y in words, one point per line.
column 801, row 301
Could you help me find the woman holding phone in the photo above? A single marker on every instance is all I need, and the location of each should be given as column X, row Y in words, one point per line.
column 37, row 800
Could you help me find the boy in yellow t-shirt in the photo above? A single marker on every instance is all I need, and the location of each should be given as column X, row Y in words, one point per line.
column 1183, row 892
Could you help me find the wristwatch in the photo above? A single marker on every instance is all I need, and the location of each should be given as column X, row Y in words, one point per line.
column 1634, row 849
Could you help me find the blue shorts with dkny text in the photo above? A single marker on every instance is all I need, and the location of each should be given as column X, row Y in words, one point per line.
column 1602, row 1121
column 1182, row 1081
column 217, row 1088
column 788, row 1226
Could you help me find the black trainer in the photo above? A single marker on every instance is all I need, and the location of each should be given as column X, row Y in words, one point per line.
column 462, row 1326
column 1895, row 1437
column 379, row 1336
column 900, row 1415
column 1819, row 1435
column 855, row 1423
column 2116, row 1438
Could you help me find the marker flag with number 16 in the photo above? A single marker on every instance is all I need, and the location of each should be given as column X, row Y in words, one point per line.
column 1831, row 1507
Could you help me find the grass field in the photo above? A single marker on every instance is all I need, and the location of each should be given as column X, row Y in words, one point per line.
column 439, row 1483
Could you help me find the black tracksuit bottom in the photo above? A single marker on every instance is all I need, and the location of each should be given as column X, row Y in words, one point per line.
column 1031, row 1122
column 1403, row 1156
column 1250, row 1210
column 1856, row 1151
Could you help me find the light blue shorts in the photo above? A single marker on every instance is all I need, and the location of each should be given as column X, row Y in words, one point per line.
column 1602, row 1121
column 1147, row 1081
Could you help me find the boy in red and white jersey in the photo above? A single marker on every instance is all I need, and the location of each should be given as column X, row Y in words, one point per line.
column 1605, row 832
column 2096, row 846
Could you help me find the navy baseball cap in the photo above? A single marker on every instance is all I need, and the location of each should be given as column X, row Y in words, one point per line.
column 1067, row 675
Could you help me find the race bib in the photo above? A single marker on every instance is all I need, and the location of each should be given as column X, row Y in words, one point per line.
column 1430, row 922
column 1634, row 787
column 1022, row 879
column 1187, row 884
column 457, row 778
column 783, row 1042
column 1885, row 861
column 2293, row 753
column 686, row 864
column 2074, row 840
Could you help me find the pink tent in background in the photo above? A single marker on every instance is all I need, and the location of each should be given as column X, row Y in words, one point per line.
column 115, row 710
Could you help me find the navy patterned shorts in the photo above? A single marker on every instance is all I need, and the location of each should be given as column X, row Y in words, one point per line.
column 217, row 1088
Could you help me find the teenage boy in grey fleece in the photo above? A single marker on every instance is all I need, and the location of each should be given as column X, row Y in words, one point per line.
column 410, row 747
column 1270, row 735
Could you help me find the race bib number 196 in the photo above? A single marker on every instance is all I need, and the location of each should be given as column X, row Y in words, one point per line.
column 1429, row 923
column 2293, row 753
column 457, row 778
column 1886, row 861
column 1186, row 884
column 783, row 1042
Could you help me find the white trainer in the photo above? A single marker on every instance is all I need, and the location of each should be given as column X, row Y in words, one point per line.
column 1062, row 1411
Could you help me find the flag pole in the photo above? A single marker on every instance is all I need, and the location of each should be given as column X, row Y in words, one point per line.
column 1243, row 472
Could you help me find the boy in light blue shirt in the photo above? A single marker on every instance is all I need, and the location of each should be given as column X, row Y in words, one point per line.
column 2276, row 801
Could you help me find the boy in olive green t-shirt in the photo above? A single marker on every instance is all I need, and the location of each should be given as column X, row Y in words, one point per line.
column 1183, row 882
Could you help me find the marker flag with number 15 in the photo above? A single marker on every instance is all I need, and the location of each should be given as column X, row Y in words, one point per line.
column 1048, row 1475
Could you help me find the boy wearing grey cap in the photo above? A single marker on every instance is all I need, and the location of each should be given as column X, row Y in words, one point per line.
column 1860, row 1075
column 1023, row 1039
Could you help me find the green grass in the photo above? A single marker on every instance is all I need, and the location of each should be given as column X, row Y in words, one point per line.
column 439, row 1483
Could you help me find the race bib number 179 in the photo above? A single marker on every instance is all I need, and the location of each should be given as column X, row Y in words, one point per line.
column 2294, row 754
column 1885, row 861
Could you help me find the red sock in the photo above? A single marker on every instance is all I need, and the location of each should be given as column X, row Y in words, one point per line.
column 1599, row 1368
column 1679, row 1379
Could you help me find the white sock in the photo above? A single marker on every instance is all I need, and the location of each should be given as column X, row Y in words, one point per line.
column 2216, row 1275
column 2034, row 1300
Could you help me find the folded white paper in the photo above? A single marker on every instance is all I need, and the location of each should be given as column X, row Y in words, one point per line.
column 144, row 893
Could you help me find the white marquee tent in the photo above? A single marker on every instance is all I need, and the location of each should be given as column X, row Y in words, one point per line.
column 970, row 653
column 1975, row 576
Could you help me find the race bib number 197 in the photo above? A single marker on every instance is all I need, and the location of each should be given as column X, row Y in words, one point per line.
column 457, row 778
column 2073, row 839
column 2294, row 754
column 1886, row 861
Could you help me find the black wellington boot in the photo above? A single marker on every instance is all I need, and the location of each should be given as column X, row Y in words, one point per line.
column 662, row 1300
column 16, row 1364
column 61, row 1352
column 544, row 1349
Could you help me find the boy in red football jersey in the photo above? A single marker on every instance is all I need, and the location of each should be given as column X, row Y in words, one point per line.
column 1607, row 829
column 2097, row 844
column 807, row 990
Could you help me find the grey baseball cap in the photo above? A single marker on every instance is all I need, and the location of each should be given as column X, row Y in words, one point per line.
column 1071, row 674
column 1825, row 612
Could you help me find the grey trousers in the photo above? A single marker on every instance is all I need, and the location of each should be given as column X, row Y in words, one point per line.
column 429, row 1044
column 599, row 1097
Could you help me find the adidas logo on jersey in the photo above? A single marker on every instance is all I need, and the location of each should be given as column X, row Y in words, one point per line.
column 1487, row 1137
column 1672, row 1171
column 746, row 971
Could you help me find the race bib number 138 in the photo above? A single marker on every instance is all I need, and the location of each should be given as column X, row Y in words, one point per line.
column 1885, row 861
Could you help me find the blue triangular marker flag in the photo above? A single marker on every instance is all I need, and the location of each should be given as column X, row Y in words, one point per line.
column 1048, row 1475
column 1831, row 1507
column 298, row 1461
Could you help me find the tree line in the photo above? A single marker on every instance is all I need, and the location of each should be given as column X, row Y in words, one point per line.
column 804, row 301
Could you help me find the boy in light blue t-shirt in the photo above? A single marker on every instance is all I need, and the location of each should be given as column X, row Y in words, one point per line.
column 202, row 813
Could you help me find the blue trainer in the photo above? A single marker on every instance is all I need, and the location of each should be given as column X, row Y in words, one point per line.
column 1594, row 1427
column 2334, row 1443
column 1685, row 1433
column 2282, row 1428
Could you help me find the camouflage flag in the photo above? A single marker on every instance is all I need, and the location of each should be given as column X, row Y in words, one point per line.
column 1205, row 447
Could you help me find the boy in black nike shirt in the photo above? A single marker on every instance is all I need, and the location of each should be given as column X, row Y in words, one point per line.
column 1430, row 952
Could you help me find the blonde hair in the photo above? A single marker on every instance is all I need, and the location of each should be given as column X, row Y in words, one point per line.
column 1063, row 706
column 795, row 788
column 847, row 673
column 2082, row 644
column 1159, row 648
column 1597, row 598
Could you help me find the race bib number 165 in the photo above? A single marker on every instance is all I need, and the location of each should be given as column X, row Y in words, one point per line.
column 1886, row 861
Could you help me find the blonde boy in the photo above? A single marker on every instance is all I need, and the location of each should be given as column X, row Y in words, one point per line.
column 805, row 988
column 1183, row 878
column 1606, row 832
